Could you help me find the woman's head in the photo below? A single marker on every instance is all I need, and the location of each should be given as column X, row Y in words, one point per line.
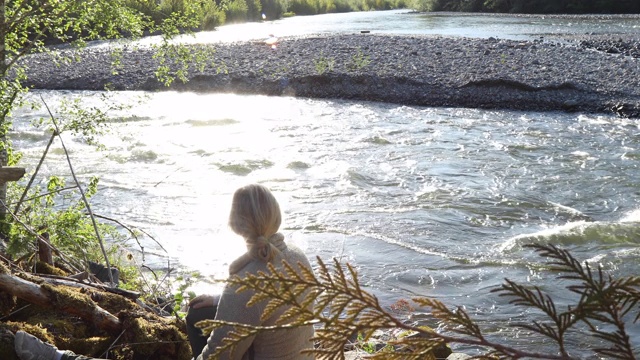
column 254, row 212
column 255, row 215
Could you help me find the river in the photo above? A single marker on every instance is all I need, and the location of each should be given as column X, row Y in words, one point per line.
column 422, row 201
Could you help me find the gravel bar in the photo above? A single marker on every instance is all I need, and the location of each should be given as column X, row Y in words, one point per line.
column 591, row 74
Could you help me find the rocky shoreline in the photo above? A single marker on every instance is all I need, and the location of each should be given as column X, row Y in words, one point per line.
column 592, row 74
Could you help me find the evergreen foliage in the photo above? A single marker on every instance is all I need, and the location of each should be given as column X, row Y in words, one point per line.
column 343, row 310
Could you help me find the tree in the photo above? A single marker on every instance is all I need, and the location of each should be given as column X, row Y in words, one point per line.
column 31, row 26
column 26, row 26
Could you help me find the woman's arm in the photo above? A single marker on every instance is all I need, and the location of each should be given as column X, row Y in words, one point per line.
column 233, row 308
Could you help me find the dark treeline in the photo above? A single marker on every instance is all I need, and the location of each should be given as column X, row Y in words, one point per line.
column 531, row 6
column 214, row 13
column 218, row 12
column 208, row 14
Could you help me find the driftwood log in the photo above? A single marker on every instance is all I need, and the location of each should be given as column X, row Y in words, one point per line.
column 42, row 295
column 86, row 317
column 77, row 281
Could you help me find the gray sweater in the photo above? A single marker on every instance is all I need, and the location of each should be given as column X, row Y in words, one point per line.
column 283, row 344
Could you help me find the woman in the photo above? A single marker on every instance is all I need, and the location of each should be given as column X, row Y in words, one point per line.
column 255, row 215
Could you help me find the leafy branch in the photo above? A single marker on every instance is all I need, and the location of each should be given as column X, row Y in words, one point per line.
column 333, row 300
column 602, row 300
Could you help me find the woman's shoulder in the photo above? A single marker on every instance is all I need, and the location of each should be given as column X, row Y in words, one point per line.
column 293, row 255
column 246, row 264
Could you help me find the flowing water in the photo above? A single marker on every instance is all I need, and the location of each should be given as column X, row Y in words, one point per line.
column 422, row 201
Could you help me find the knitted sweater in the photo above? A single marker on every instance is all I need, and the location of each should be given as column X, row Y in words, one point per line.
column 283, row 344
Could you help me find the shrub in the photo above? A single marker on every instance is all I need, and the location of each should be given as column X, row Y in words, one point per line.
column 303, row 7
column 235, row 10
column 213, row 17
column 167, row 7
column 148, row 8
column 273, row 9
column 254, row 10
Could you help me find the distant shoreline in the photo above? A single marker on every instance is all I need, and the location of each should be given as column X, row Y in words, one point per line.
column 411, row 70
column 558, row 16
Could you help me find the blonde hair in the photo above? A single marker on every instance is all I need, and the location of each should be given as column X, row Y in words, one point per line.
column 255, row 215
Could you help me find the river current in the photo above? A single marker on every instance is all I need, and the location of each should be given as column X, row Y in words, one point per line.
column 422, row 201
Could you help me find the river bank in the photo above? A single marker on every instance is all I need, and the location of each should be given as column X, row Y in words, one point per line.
column 578, row 74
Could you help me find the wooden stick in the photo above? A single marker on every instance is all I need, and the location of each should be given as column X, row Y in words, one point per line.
column 44, row 249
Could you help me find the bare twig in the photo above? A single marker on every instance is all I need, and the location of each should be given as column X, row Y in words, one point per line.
column 84, row 198
column 113, row 343
column 131, row 231
column 46, row 194
column 35, row 172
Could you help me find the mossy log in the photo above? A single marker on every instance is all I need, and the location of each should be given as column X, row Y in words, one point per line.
column 75, row 304
column 75, row 281
column 86, row 318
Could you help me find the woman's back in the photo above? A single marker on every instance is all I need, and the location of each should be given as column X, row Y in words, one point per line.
column 278, row 344
column 255, row 215
column 285, row 344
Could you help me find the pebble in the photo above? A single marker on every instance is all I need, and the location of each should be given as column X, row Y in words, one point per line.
column 551, row 75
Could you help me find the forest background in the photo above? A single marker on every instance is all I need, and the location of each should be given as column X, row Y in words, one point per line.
column 219, row 12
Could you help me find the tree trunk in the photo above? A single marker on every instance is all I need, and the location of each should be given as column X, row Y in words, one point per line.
column 3, row 140
column 44, row 249
column 3, row 36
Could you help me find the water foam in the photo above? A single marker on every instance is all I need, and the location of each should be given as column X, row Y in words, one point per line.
column 626, row 231
column 633, row 216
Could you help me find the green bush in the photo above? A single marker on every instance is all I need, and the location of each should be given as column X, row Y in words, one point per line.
column 342, row 6
column 148, row 8
column 59, row 212
column 167, row 7
column 303, row 7
column 254, row 10
column 273, row 9
column 213, row 17
column 235, row 10
column 205, row 14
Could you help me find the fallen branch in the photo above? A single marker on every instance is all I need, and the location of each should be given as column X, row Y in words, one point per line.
column 77, row 282
column 79, row 304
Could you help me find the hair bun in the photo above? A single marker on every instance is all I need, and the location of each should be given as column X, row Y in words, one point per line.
column 261, row 248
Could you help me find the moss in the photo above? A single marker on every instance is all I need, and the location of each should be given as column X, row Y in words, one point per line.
column 144, row 335
column 44, row 268
column 95, row 345
column 114, row 303
column 142, row 332
column 69, row 298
